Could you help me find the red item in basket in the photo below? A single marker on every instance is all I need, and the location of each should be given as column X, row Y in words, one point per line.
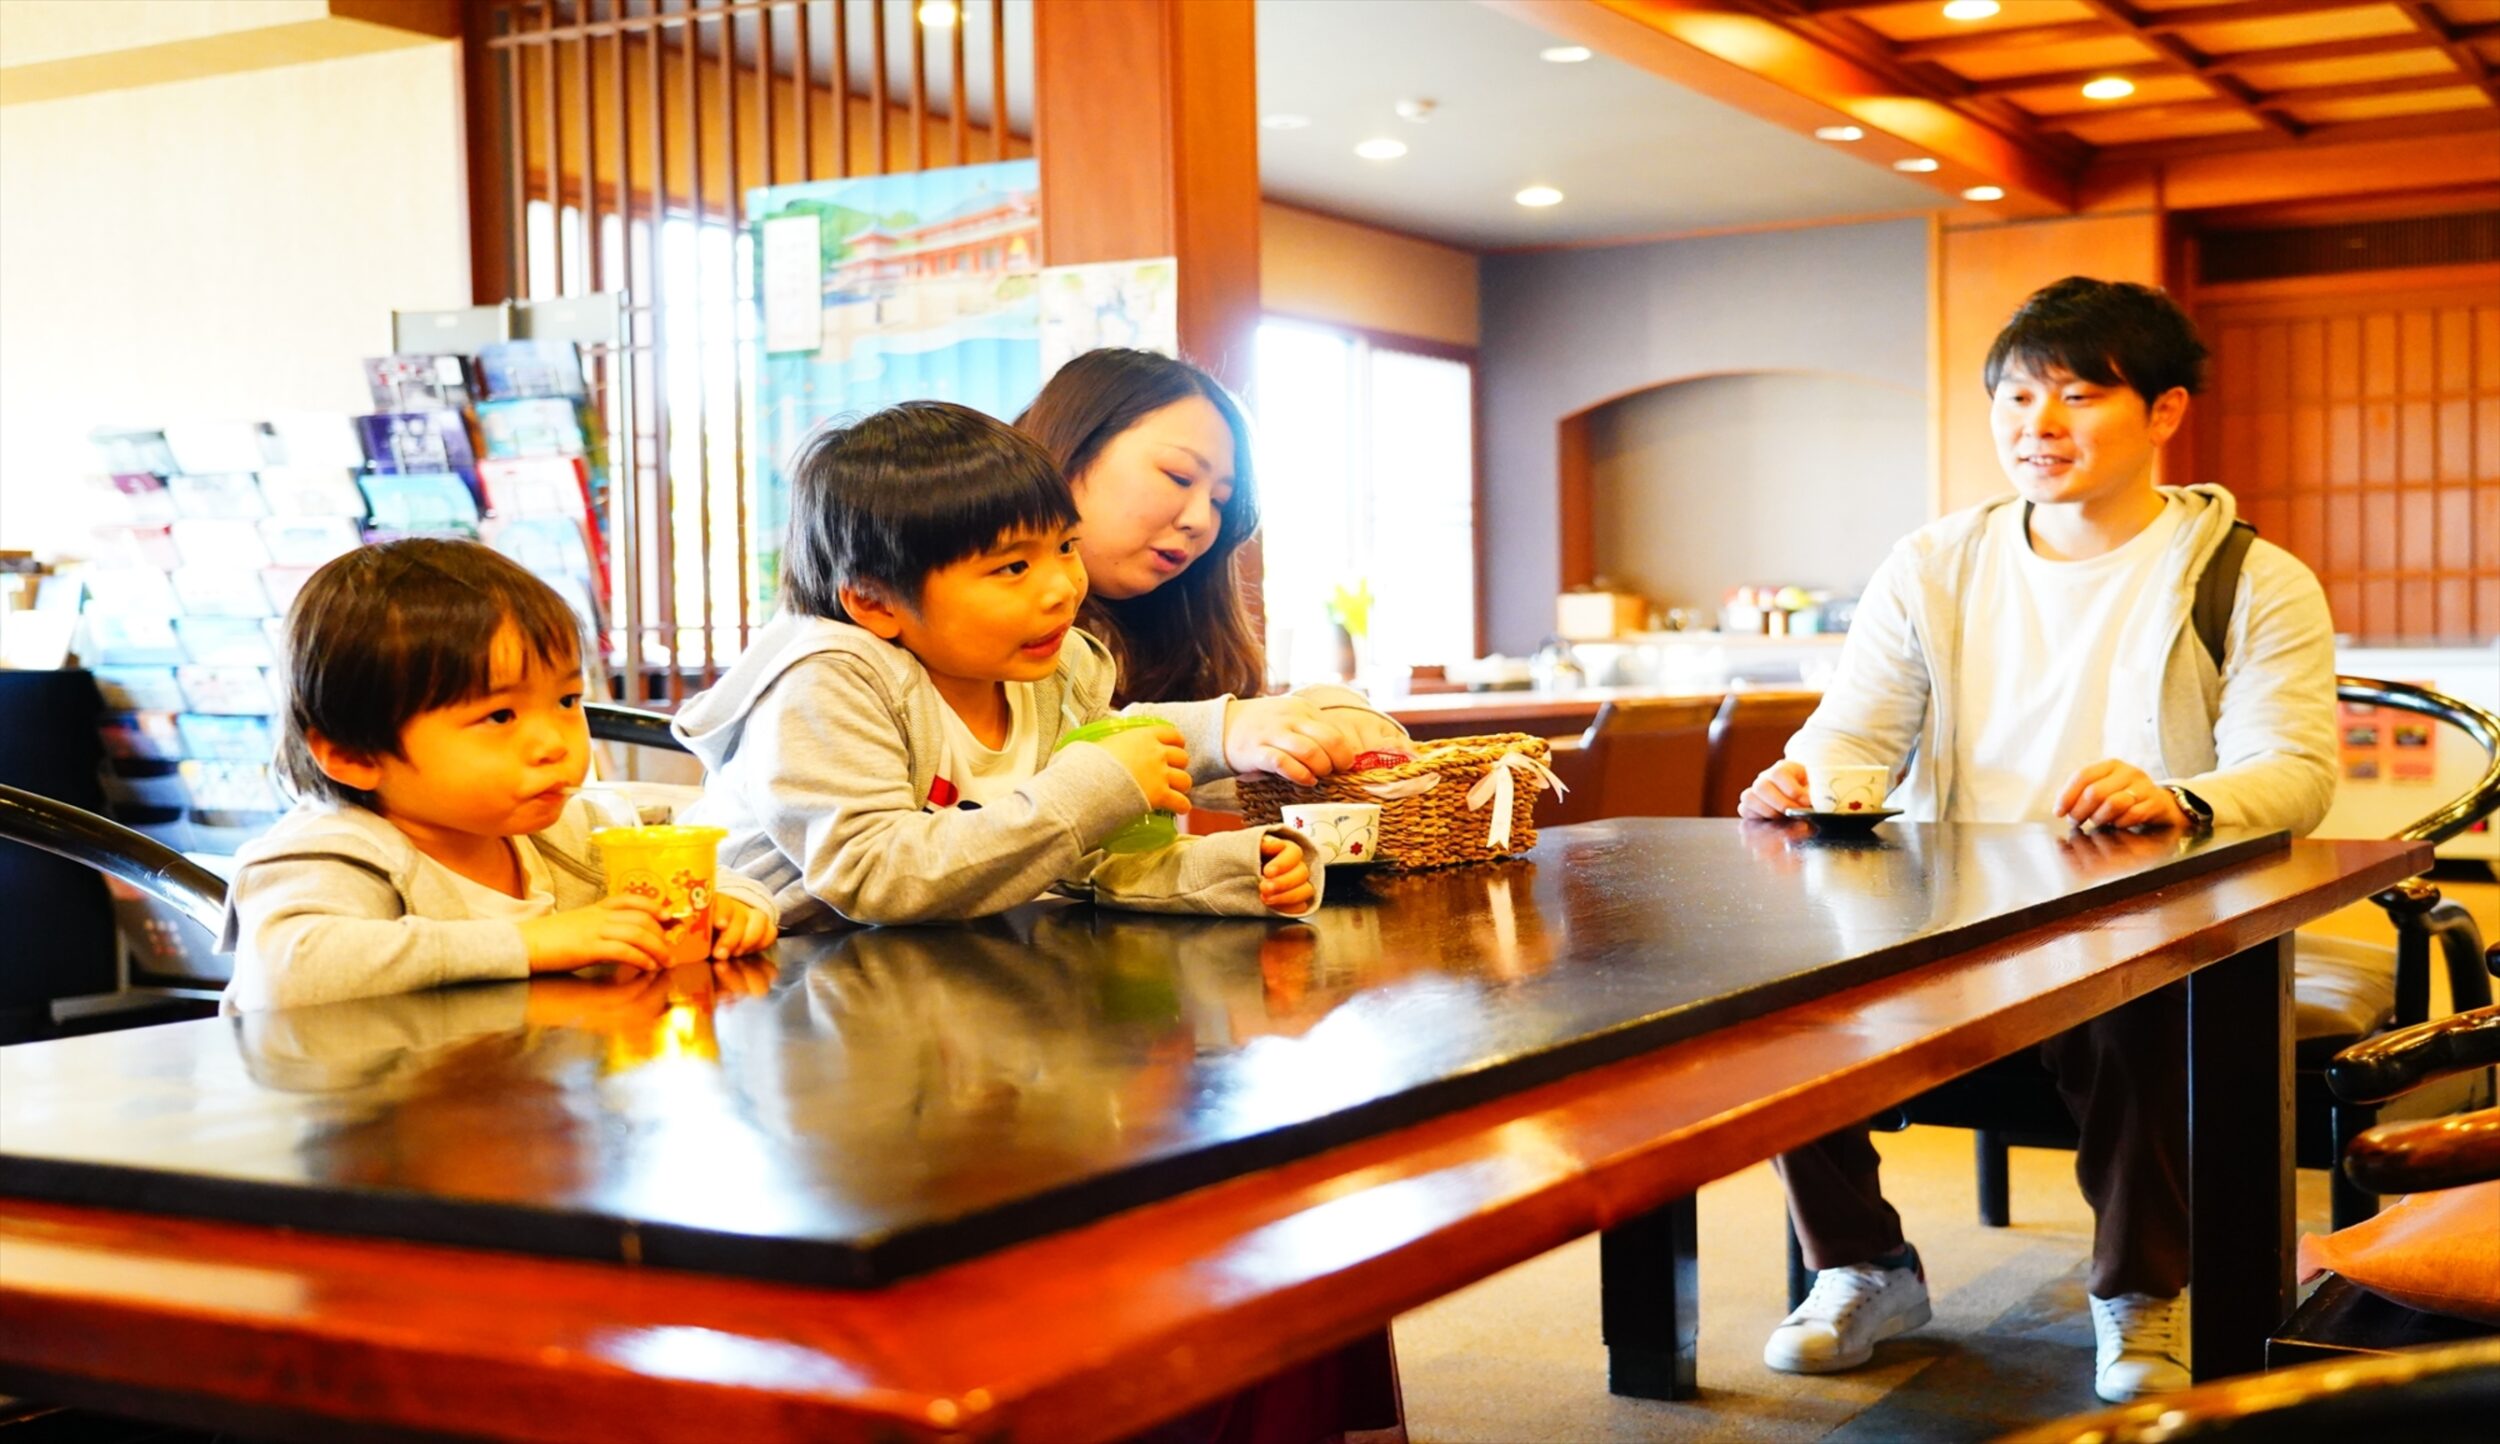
column 1365, row 762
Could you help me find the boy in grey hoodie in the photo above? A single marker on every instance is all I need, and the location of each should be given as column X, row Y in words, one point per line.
column 884, row 750
column 434, row 722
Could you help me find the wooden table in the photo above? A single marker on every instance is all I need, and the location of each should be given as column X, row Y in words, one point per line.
column 1101, row 1329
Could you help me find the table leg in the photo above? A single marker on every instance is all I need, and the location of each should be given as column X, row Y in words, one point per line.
column 1649, row 1301
column 2239, row 1157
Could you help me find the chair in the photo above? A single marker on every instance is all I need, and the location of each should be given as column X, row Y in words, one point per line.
column 612, row 722
column 2344, row 992
column 133, row 858
column 1748, row 735
column 1638, row 759
column 2340, row 1318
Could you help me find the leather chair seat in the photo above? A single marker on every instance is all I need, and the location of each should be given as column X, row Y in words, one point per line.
column 2343, row 990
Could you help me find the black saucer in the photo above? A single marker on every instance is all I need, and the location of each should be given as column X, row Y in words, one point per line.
column 1841, row 824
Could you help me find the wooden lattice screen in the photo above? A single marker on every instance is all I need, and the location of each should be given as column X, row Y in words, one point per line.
column 611, row 146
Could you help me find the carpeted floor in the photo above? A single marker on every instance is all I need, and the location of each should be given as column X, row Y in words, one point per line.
column 1517, row 1356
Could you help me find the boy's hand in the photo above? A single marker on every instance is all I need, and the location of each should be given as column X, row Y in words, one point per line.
column 1156, row 761
column 1287, row 736
column 624, row 930
column 739, row 928
column 2110, row 793
column 1284, row 877
column 627, row 1000
column 1781, row 786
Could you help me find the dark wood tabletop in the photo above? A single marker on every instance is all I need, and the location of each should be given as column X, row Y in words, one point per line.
column 1070, row 1045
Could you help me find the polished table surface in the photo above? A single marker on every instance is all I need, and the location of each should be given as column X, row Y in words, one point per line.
column 1100, row 1329
column 909, row 1097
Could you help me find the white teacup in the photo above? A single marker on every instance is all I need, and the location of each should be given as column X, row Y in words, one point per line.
column 1342, row 831
column 1848, row 789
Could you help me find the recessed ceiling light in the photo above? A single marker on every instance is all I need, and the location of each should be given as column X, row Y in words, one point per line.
column 1915, row 165
column 1284, row 121
column 1838, row 132
column 2108, row 87
column 1539, row 196
column 1565, row 54
column 1970, row 9
column 1984, row 193
column 1381, row 148
column 938, row 14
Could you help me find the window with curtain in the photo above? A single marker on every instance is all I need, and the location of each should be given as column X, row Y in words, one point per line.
column 1367, row 481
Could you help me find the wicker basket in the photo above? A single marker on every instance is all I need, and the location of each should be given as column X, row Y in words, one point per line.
column 1426, row 823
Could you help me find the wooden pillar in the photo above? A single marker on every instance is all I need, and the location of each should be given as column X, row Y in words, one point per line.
column 1146, row 125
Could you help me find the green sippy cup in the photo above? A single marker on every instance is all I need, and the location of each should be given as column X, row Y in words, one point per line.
column 1155, row 829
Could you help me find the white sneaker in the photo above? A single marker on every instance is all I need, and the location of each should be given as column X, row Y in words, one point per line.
column 1850, row 1311
column 2142, row 1347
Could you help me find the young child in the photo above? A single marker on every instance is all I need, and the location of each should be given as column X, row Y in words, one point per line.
column 434, row 729
column 884, row 749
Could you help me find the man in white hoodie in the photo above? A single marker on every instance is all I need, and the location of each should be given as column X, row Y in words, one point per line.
column 2037, row 658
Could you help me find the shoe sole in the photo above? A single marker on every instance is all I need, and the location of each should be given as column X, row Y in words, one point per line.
column 1893, row 1328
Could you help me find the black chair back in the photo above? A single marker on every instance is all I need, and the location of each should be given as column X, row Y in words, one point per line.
column 109, row 847
column 614, row 722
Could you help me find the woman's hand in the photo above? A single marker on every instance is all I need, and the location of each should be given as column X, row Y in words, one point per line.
column 1287, row 736
column 2111, row 793
column 1284, row 876
column 739, row 927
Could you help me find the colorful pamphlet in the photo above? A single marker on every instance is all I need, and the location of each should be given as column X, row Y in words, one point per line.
column 130, row 590
column 144, row 546
column 225, row 739
column 319, row 439
column 221, row 591
column 152, row 736
column 418, row 383
column 217, row 494
column 537, row 486
column 135, row 498
column 232, row 786
column 121, row 450
column 282, row 583
column 410, row 441
column 220, row 542
column 139, row 689
column 126, row 639
column 534, row 427
column 308, row 541
column 205, row 446
column 531, row 368
column 424, row 503
column 227, row 689
column 314, row 490
column 226, row 641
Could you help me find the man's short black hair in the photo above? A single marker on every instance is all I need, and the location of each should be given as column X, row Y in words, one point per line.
column 2110, row 333
column 388, row 631
column 881, row 503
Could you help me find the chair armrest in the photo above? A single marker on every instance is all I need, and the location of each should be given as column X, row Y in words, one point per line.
column 610, row 722
column 2377, row 1069
column 2421, row 1157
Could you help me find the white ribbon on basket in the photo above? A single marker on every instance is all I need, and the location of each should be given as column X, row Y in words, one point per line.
column 1415, row 786
column 1498, row 785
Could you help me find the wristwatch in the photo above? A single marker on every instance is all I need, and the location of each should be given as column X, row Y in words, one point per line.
column 2200, row 813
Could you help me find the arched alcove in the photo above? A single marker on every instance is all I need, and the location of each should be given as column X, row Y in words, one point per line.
column 1684, row 489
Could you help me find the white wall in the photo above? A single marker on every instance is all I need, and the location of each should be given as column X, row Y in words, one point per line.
column 227, row 247
column 1764, row 477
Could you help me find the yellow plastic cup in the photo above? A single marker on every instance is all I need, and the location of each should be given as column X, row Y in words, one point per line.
column 674, row 867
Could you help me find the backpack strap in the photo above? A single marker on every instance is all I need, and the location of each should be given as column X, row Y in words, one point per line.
column 2219, row 588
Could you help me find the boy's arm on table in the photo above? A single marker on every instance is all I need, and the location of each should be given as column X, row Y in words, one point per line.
column 835, row 795
column 2274, row 741
column 1217, row 874
column 315, row 929
column 1871, row 713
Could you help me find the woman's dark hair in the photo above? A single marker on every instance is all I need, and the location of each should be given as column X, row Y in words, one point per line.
column 386, row 632
column 884, row 501
column 1190, row 637
column 2110, row 333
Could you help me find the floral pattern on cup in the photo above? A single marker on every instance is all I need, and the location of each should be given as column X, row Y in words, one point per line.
column 1848, row 789
column 1342, row 831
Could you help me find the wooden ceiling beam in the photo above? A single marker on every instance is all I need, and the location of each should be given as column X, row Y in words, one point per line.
column 2198, row 17
column 2359, row 46
column 2460, row 52
column 2363, row 89
column 1766, row 66
column 2188, row 59
column 2159, row 111
column 2013, row 37
column 2185, row 109
column 2408, row 128
column 2065, row 79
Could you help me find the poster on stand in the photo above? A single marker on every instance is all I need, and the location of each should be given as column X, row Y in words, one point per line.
column 924, row 286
